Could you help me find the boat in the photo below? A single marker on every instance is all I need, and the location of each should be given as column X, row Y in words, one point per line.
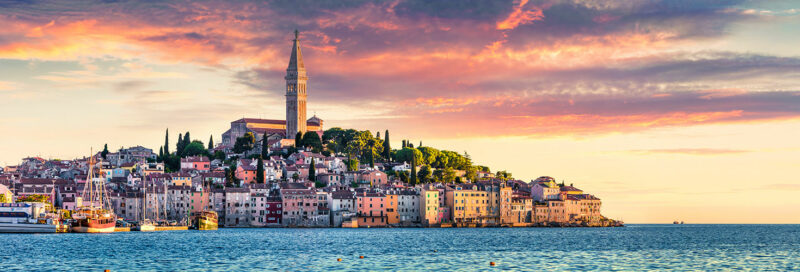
column 206, row 220
column 93, row 216
column 26, row 218
column 145, row 225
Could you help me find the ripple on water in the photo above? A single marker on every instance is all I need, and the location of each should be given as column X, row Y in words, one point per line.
column 637, row 247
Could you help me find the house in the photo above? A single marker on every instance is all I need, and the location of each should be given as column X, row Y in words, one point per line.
column 429, row 207
column 371, row 209
column 331, row 179
column 197, row 163
column 545, row 188
column 342, row 204
column 467, row 203
column 274, row 208
column 299, row 204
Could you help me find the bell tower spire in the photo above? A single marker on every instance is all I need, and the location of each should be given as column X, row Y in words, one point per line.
column 296, row 83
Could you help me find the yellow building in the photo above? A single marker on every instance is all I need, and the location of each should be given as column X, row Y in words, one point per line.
column 391, row 209
column 467, row 204
column 429, row 207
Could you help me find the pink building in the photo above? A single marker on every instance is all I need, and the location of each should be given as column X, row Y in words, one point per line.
column 299, row 204
column 371, row 209
column 199, row 163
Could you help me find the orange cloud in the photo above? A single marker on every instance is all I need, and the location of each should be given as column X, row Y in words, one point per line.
column 520, row 16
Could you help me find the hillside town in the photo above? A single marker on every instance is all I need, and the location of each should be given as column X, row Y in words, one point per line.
column 304, row 189
column 294, row 173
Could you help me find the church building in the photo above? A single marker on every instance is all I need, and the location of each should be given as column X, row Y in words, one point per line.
column 296, row 94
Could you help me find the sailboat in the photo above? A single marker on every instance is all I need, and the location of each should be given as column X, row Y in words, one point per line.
column 97, row 216
column 145, row 224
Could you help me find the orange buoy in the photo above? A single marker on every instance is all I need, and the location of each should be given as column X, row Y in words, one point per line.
column 106, row 270
column 361, row 257
column 491, row 263
column 339, row 260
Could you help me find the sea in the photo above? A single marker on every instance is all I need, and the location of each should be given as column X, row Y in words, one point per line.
column 631, row 248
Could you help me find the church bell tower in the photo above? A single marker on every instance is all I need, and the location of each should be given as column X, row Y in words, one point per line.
column 296, row 84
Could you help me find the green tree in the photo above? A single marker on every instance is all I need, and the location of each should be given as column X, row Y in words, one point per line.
column 387, row 148
column 295, row 177
column 311, row 139
column 179, row 146
column 195, row 148
column 34, row 198
column 264, row 146
column 244, row 143
column 402, row 176
column 3, row 199
column 424, row 174
column 160, row 153
column 210, row 142
column 504, row 175
column 429, row 155
column 166, row 143
column 448, row 175
column 406, row 154
column 312, row 171
column 413, row 170
column 471, row 173
column 105, row 151
column 352, row 164
column 298, row 140
column 219, row 155
column 260, row 171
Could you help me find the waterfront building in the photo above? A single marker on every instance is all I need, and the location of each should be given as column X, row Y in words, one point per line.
column 258, row 209
column 299, row 204
column 556, row 211
column 468, row 205
column 342, row 204
column 371, row 209
column 274, row 208
column 429, row 207
column 237, row 207
column 408, row 205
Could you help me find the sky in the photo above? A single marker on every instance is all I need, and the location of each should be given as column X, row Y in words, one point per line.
column 666, row 110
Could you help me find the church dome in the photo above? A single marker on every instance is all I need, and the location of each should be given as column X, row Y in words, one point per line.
column 315, row 119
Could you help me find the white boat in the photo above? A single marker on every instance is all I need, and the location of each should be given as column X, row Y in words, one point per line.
column 25, row 218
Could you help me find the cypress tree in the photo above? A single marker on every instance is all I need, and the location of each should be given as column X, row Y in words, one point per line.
column 160, row 153
column 312, row 171
column 211, row 142
column 186, row 140
column 166, row 143
column 420, row 144
column 298, row 140
column 371, row 159
column 179, row 145
column 413, row 177
column 260, row 171
column 105, row 151
column 378, row 135
column 387, row 148
column 264, row 147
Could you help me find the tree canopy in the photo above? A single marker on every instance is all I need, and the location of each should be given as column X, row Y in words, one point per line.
column 244, row 143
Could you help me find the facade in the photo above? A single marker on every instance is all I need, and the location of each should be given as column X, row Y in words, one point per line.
column 429, row 207
column 197, row 163
column 371, row 209
column 467, row 204
column 545, row 188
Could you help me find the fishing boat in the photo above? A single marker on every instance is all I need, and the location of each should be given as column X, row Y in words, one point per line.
column 93, row 216
column 206, row 220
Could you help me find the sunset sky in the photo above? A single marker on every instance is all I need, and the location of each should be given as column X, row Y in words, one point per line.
column 666, row 110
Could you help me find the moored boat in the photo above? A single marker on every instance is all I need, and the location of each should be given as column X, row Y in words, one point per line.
column 26, row 218
column 93, row 216
column 206, row 220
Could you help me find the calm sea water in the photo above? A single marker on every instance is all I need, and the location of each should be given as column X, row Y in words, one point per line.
column 636, row 247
